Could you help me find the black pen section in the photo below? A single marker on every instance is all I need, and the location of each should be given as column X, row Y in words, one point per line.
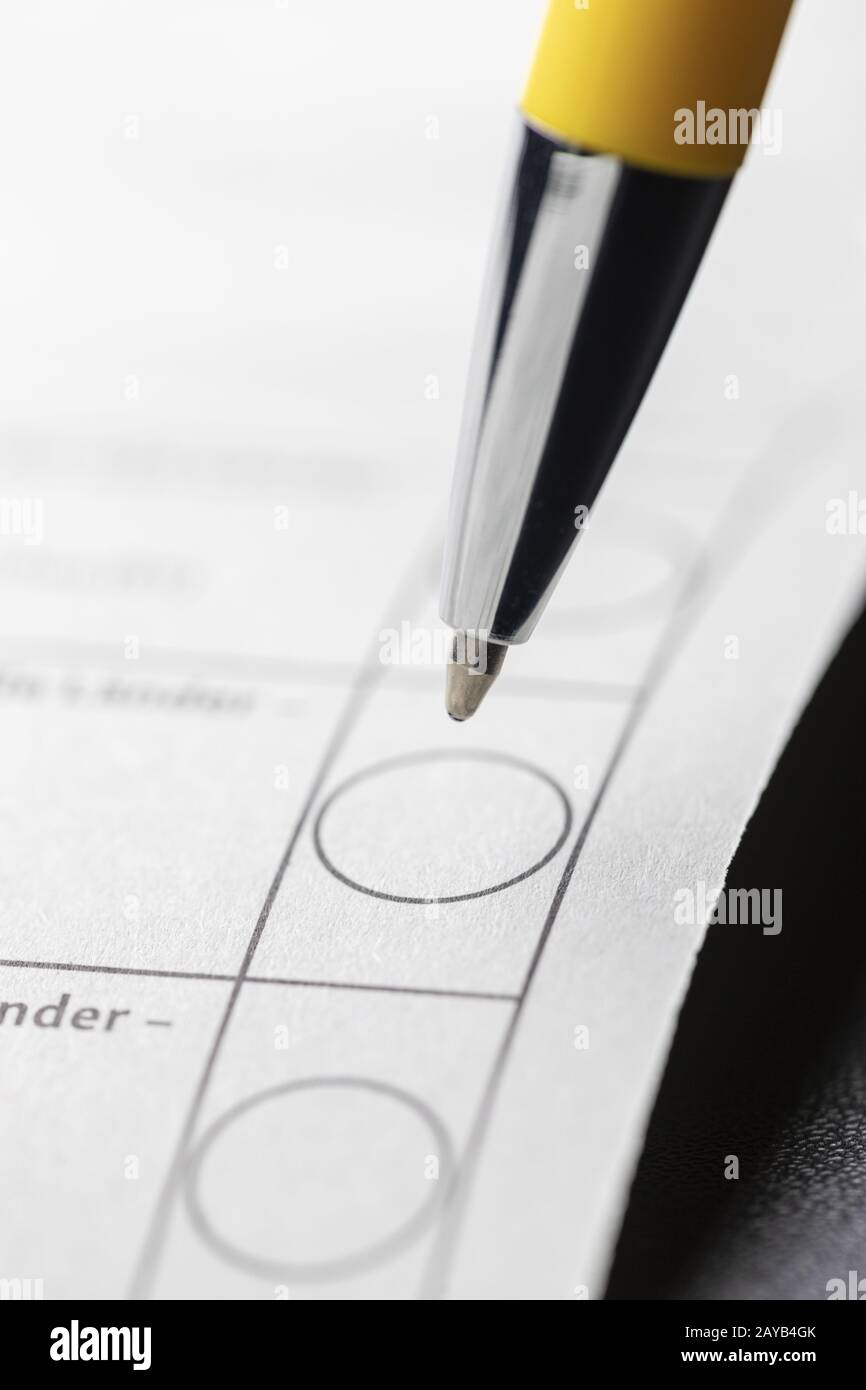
column 653, row 239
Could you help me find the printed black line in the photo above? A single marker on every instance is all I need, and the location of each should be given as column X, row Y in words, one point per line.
column 152, row 1248
column 369, row 674
column 292, row 983
column 282, row 670
column 444, row 1246
column 431, row 992
column 722, row 551
column 114, row 970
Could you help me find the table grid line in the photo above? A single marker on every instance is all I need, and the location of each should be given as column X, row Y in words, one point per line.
column 288, row 670
column 288, row 982
column 718, row 553
column 369, row 675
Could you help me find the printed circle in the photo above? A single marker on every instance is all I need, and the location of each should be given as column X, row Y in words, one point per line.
column 633, row 561
column 309, row 1211
column 450, row 826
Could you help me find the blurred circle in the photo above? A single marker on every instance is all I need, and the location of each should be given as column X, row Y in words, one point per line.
column 621, row 574
column 291, row 1183
column 449, row 826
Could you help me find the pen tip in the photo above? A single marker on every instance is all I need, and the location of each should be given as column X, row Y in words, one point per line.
column 475, row 663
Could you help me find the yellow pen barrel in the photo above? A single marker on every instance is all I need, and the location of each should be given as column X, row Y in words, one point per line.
column 622, row 77
column 637, row 115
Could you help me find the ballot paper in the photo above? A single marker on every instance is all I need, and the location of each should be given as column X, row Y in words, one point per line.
column 305, row 991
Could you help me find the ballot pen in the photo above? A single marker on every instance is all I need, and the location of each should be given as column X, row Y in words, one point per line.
column 633, row 124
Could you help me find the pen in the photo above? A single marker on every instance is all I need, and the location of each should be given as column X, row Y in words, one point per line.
column 633, row 124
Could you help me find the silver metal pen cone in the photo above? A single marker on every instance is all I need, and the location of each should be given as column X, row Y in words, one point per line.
column 535, row 290
column 589, row 271
column 474, row 666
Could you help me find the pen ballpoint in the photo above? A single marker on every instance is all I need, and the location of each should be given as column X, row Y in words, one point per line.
column 611, row 203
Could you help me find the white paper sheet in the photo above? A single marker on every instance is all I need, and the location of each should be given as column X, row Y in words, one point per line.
column 292, row 966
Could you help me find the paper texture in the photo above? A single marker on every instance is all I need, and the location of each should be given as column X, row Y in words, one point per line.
column 269, row 923
column 305, row 991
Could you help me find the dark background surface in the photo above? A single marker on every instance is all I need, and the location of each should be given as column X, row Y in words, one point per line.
column 769, row 1059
